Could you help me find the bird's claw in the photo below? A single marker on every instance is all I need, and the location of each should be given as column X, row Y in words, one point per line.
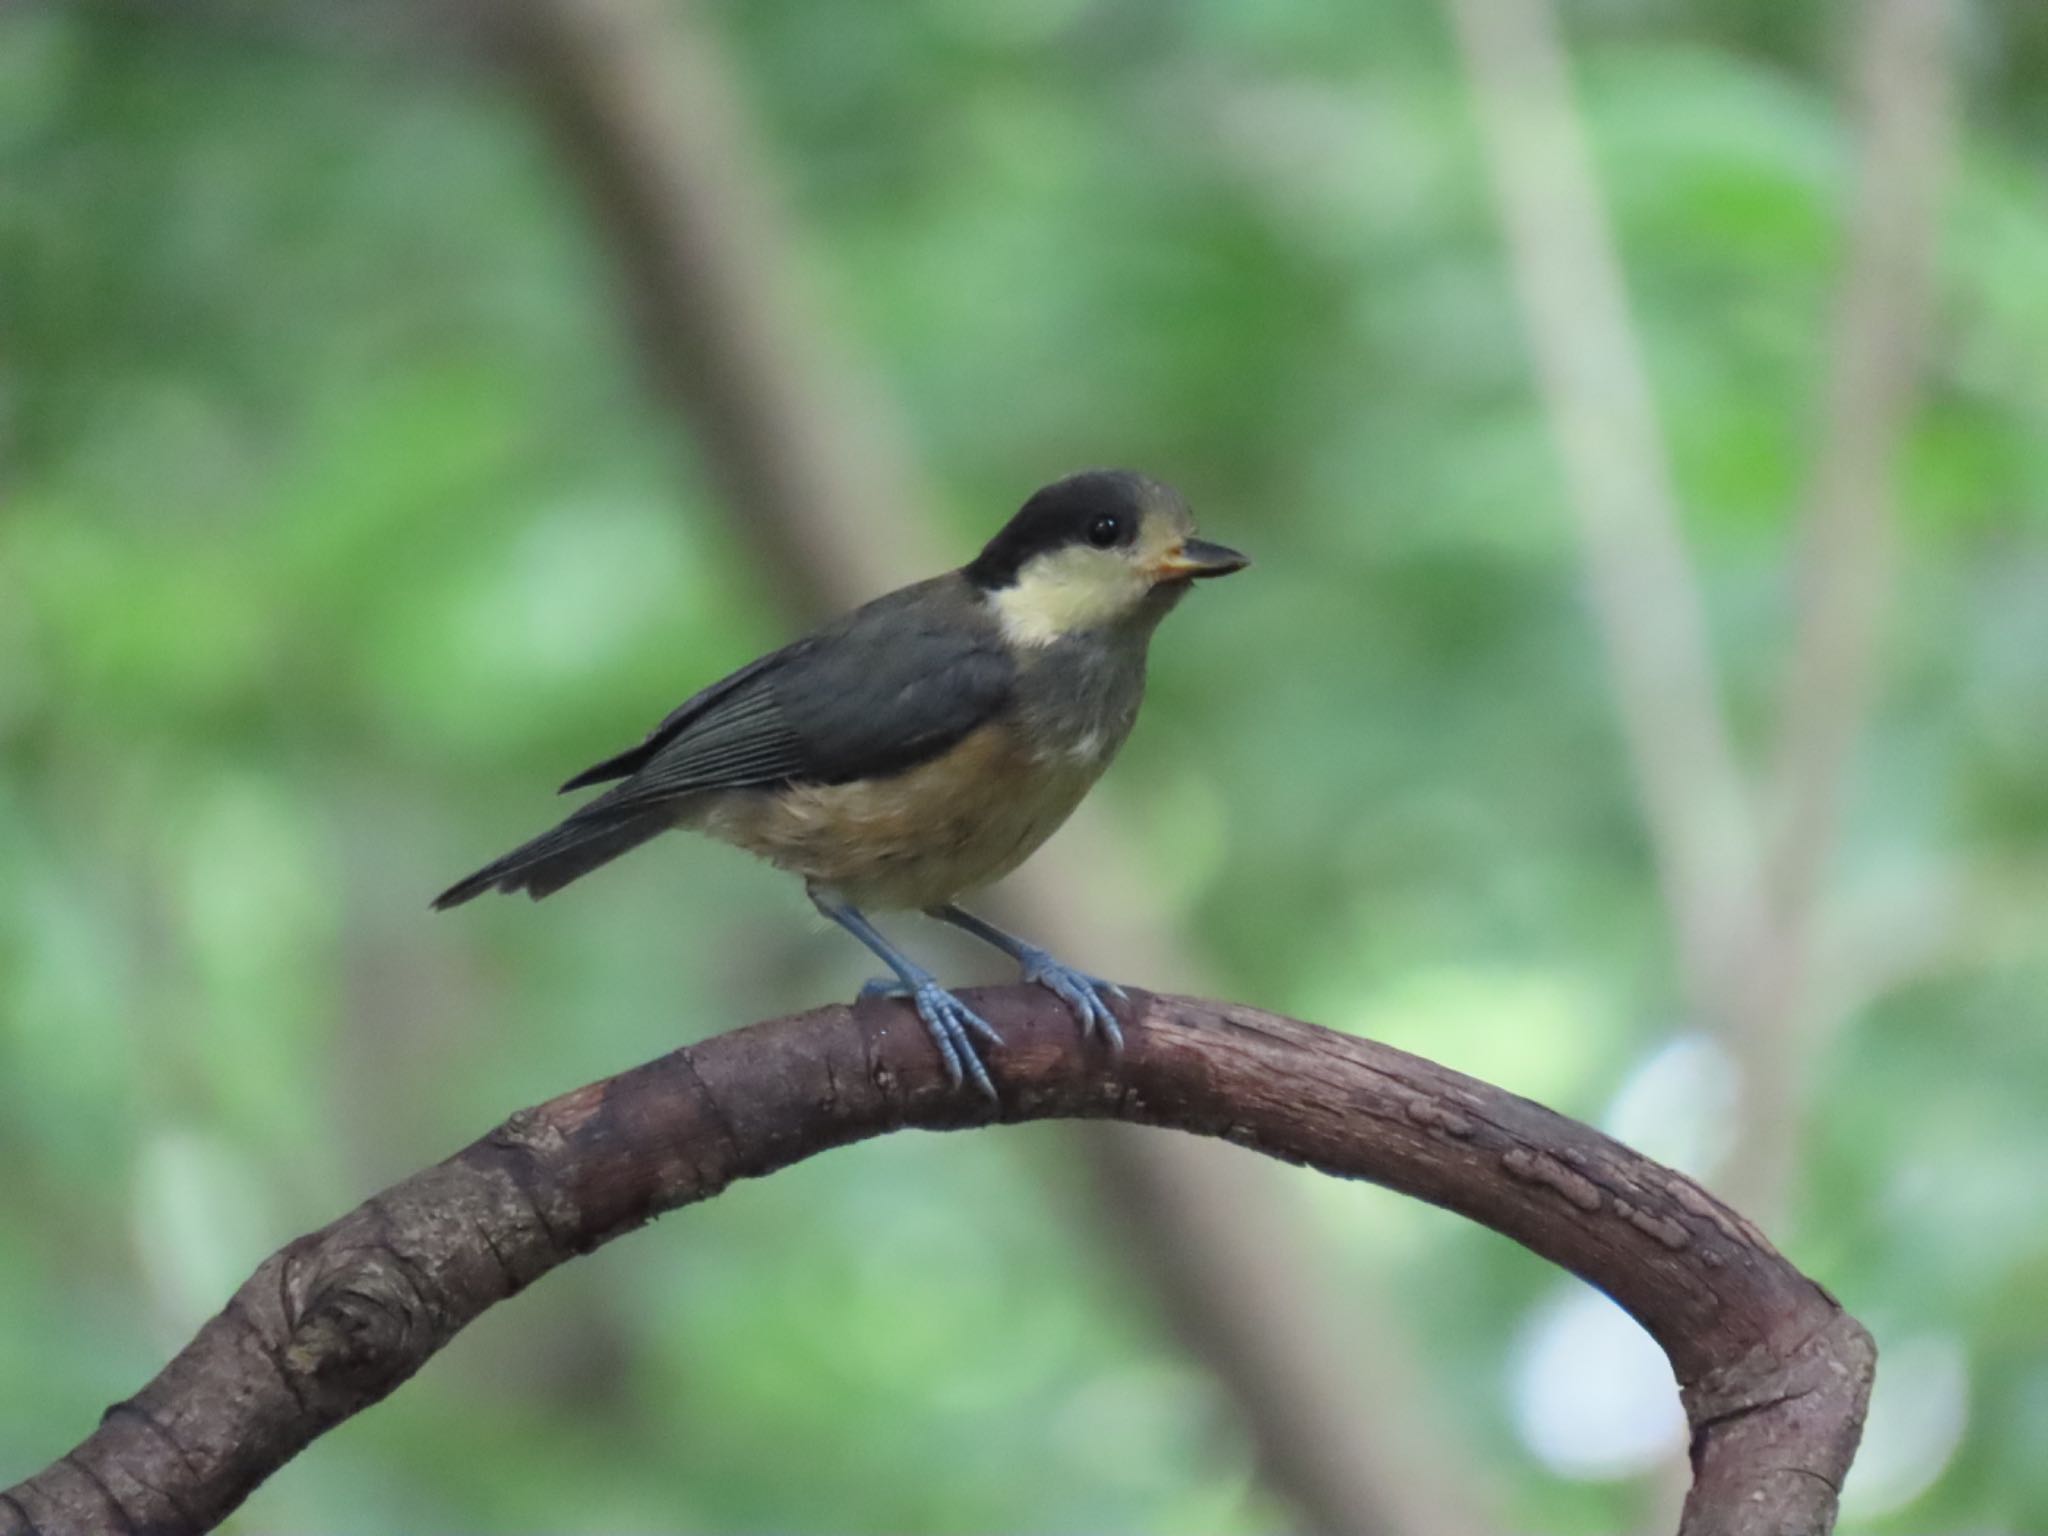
column 951, row 1024
column 1083, row 993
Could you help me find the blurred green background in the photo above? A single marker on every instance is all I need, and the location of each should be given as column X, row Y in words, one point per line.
column 337, row 525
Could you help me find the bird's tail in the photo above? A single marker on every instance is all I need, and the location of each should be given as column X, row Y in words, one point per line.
column 595, row 835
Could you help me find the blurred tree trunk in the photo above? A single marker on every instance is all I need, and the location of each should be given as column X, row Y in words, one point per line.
column 640, row 104
column 1844, row 571
column 1645, row 595
column 1745, row 902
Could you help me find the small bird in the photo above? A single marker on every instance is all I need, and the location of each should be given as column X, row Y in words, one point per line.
column 920, row 747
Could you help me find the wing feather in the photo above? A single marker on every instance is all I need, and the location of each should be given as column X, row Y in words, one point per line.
column 693, row 710
column 885, row 688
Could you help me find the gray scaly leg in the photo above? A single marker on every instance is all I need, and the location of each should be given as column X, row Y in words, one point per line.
column 1087, row 995
column 951, row 1022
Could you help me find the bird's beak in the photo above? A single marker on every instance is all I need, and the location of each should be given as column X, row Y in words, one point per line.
column 1196, row 559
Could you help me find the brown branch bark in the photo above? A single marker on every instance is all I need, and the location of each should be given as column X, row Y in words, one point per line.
column 1774, row 1374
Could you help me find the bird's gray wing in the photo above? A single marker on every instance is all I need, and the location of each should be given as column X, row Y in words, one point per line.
column 699, row 708
column 885, row 688
column 889, row 686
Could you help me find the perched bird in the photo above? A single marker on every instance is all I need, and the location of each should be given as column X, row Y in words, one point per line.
column 921, row 746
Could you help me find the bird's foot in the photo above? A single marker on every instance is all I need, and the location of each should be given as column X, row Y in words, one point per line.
column 952, row 1025
column 1087, row 995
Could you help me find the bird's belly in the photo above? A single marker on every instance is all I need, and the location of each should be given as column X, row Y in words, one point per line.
column 917, row 838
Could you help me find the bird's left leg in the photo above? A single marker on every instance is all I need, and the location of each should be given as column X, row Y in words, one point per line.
column 950, row 1022
column 1087, row 995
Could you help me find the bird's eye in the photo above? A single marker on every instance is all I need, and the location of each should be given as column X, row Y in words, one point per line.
column 1106, row 530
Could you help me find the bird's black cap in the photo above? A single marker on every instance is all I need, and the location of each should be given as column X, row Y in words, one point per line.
column 1064, row 513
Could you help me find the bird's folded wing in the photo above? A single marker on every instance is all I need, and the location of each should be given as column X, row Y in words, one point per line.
column 876, row 695
column 867, row 711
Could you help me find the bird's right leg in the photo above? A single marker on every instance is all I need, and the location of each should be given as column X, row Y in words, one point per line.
column 1087, row 995
column 951, row 1022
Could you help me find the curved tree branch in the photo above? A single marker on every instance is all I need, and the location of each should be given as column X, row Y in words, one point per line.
column 1774, row 1374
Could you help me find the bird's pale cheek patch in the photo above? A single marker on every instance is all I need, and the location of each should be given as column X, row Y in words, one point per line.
column 1069, row 593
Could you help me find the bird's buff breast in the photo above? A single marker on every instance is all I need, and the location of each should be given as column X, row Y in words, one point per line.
column 922, row 837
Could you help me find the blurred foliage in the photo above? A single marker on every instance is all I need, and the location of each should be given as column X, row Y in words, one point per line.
column 336, row 529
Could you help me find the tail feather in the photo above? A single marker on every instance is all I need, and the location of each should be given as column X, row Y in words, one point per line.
column 615, row 767
column 564, row 853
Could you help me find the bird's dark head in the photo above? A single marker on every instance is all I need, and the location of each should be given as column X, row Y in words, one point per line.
column 1095, row 551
